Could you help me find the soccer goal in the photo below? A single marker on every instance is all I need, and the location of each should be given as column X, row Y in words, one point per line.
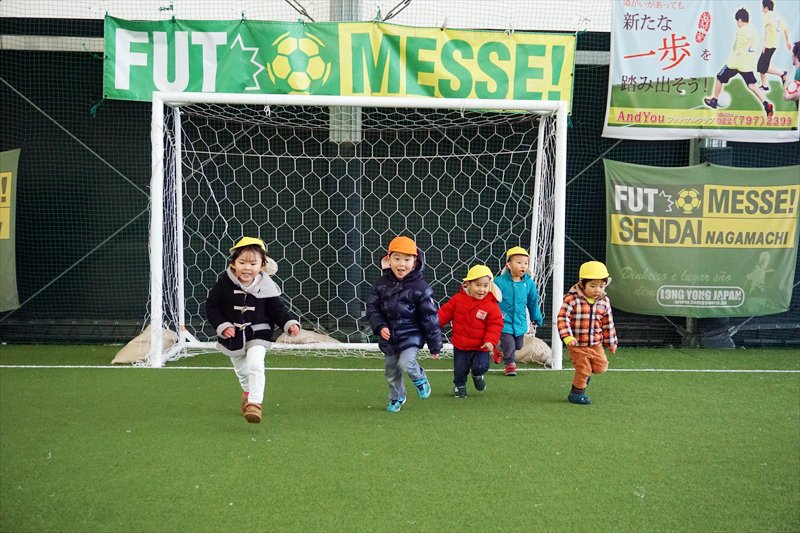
column 327, row 181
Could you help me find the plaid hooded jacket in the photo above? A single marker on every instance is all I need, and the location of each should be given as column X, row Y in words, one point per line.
column 590, row 324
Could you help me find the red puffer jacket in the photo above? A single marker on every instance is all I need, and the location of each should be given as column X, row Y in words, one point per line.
column 475, row 322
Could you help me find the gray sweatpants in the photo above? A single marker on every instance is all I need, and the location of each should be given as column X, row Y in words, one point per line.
column 396, row 365
column 509, row 344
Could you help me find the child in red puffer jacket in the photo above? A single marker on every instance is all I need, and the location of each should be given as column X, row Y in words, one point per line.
column 477, row 324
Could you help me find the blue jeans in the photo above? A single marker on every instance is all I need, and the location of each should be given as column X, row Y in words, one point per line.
column 395, row 365
column 464, row 362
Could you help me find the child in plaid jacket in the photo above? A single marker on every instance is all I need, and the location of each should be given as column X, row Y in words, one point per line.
column 586, row 324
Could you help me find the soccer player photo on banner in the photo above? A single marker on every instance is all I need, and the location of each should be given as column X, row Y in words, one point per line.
column 703, row 68
column 701, row 241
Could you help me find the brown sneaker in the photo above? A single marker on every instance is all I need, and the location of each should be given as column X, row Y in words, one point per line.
column 244, row 401
column 252, row 413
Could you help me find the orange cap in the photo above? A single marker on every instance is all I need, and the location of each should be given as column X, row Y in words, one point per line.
column 404, row 245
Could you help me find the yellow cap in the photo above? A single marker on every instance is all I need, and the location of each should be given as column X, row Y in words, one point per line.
column 593, row 270
column 249, row 241
column 403, row 245
column 477, row 272
column 516, row 250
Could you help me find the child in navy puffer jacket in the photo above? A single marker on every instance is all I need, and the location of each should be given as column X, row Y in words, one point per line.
column 401, row 312
column 477, row 323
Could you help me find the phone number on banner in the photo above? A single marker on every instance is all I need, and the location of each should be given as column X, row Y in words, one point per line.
column 695, row 118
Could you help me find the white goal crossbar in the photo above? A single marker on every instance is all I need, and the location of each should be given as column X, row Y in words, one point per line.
column 186, row 340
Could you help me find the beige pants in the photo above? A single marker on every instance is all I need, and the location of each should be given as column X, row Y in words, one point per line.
column 587, row 360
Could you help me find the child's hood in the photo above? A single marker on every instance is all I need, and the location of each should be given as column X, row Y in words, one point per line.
column 507, row 273
column 270, row 267
column 419, row 264
column 577, row 289
column 494, row 292
column 494, row 295
column 264, row 286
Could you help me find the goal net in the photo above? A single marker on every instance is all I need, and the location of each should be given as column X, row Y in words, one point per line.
column 327, row 182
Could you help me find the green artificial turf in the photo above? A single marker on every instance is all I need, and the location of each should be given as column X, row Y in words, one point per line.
column 135, row 449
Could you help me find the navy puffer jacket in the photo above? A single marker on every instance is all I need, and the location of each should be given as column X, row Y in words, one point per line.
column 406, row 307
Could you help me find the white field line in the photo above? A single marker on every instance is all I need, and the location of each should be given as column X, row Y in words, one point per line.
column 327, row 369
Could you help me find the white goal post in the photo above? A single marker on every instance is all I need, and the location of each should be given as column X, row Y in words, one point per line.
column 326, row 181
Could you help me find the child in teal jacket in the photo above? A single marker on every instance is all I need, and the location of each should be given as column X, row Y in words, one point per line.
column 520, row 299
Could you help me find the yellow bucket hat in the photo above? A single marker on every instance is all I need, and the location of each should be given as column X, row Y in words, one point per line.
column 593, row 270
column 249, row 241
column 477, row 272
column 480, row 271
column 516, row 250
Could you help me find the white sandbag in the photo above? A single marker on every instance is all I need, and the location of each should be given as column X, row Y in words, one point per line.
column 138, row 348
column 535, row 350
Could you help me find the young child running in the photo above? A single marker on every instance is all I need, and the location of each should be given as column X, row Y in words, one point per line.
column 586, row 324
column 477, row 323
column 244, row 306
column 520, row 299
column 742, row 61
column 401, row 312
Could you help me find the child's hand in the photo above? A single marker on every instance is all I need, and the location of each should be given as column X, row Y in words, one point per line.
column 228, row 332
column 488, row 347
column 435, row 355
column 612, row 349
column 294, row 329
column 385, row 335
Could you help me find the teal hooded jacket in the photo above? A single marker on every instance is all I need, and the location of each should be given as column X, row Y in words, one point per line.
column 518, row 296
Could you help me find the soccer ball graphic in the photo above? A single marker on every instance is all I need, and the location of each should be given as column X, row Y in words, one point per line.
column 688, row 200
column 298, row 66
column 792, row 88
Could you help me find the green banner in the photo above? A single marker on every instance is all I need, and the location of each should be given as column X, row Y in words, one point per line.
column 701, row 241
column 9, row 298
column 333, row 58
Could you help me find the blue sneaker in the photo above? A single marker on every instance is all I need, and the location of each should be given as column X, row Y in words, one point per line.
column 394, row 405
column 580, row 399
column 480, row 382
column 423, row 388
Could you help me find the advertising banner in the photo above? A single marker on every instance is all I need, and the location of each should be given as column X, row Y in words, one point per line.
column 701, row 241
column 705, row 68
column 9, row 298
column 333, row 58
